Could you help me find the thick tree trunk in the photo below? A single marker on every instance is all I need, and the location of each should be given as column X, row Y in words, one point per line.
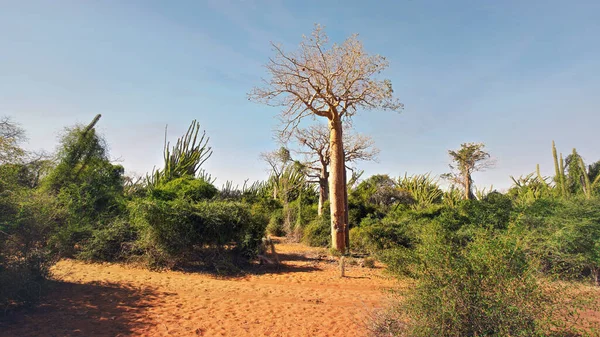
column 323, row 189
column 337, row 186
column 467, row 187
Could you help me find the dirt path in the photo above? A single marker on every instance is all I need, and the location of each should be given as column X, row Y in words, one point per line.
column 304, row 298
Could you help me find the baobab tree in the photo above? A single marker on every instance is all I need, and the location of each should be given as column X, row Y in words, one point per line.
column 470, row 158
column 332, row 83
column 278, row 161
column 315, row 146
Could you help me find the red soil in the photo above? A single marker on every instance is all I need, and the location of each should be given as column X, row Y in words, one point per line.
column 304, row 297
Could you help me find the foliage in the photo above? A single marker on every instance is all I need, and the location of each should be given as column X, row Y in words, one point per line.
column 423, row 188
column 565, row 235
column 471, row 157
column 487, row 287
column 527, row 189
column 317, row 233
column 452, row 196
column 184, row 159
column 376, row 196
column 26, row 220
column 186, row 187
column 275, row 226
column 113, row 242
column 87, row 187
column 170, row 231
column 11, row 135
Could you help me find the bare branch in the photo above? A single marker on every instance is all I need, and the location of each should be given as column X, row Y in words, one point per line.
column 324, row 80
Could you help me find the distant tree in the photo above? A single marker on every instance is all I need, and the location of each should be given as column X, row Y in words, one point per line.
column 470, row 158
column 316, row 149
column 594, row 170
column 277, row 160
column 11, row 137
column 329, row 83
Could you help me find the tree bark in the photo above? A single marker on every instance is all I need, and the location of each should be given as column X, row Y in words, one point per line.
column 337, row 185
column 323, row 189
column 346, row 210
column 467, row 186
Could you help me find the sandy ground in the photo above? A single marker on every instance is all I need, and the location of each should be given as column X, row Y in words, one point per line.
column 305, row 297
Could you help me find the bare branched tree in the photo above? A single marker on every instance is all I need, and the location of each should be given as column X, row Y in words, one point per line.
column 470, row 158
column 11, row 136
column 332, row 83
column 315, row 147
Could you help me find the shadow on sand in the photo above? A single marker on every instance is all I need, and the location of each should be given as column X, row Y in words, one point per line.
column 73, row 309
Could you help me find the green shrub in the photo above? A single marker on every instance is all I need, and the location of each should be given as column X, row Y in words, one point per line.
column 494, row 209
column 26, row 221
column 169, row 231
column 359, row 241
column 566, row 237
column 110, row 243
column 94, row 199
column 397, row 229
column 275, row 226
column 318, row 232
column 487, row 287
column 187, row 188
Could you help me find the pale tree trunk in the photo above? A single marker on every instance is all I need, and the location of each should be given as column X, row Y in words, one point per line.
column 346, row 211
column 337, row 186
column 323, row 188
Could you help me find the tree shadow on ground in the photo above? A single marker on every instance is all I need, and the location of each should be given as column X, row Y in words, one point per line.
column 229, row 264
column 92, row 309
column 302, row 257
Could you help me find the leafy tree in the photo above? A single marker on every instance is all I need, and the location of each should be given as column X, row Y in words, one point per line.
column 470, row 158
column 330, row 83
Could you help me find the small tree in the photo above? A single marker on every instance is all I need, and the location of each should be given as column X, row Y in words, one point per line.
column 316, row 148
column 470, row 158
column 329, row 83
column 278, row 161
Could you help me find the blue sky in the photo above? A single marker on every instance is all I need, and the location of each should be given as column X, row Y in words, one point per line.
column 512, row 74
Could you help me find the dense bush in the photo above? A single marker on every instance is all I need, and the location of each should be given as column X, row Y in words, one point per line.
column 26, row 221
column 111, row 243
column 187, row 188
column 486, row 288
column 565, row 236
column 318, row 232
column 275, row 226
column 169, row 231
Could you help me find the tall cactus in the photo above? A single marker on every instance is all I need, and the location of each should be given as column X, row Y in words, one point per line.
column 563, row 186
column 184, row 158
column 540, row 177
column 587, row 185
column 558, row 171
